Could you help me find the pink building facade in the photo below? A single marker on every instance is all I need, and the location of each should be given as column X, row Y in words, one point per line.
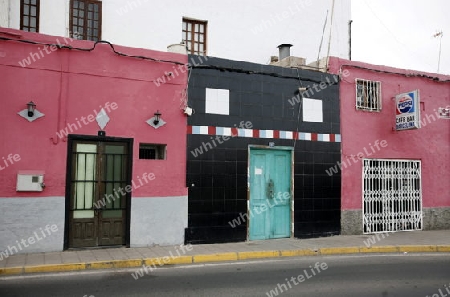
column 93, row 136
column 393, row 179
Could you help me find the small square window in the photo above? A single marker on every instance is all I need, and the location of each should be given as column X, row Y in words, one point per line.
column 368, row 95
column 217, row 101
column 312, row 110
column 150, row 151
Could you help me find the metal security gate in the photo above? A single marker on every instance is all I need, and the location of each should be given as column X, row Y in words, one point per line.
column 392, row 195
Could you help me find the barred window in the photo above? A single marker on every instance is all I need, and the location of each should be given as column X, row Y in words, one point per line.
column 368, row 95
column 152, row 151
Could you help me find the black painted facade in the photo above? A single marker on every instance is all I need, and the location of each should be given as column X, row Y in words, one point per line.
column 217, row 179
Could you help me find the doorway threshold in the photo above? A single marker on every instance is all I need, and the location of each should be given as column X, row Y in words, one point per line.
column 96, row 248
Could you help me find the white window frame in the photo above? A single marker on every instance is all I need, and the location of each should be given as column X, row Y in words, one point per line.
column 370, row 88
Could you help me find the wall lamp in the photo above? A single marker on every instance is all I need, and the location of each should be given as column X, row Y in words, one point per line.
column 30, row 113
column 30, row 108
column 156, row 121
column 156, row 118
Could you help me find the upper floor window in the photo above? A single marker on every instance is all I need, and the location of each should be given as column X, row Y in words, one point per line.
column 86, row 19
column 194, row 36
column 368, row 95
column 29, row 15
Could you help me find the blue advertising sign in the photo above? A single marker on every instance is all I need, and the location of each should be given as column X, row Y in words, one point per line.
column 407, row 111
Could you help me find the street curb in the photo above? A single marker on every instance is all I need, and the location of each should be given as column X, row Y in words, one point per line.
column 220, row 257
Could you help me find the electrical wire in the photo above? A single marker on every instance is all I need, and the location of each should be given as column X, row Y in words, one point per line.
column 433, row 78
column 185, row 98
column 331, row 31
column 321, row 39
column 299, row 107
column 409, row 48
column 239, row 70
column 61, row 46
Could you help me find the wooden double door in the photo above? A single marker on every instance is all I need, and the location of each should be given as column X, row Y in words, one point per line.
column 99, row 170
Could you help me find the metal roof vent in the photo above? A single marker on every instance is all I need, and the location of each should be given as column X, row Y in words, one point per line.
column 284, row 50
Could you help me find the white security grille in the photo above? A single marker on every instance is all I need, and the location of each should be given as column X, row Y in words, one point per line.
column 368, row 95
column 392, row 195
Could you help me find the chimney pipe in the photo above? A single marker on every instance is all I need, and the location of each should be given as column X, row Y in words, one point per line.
column 284, row 51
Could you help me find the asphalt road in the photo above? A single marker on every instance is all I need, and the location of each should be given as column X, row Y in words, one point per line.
column 404, row 275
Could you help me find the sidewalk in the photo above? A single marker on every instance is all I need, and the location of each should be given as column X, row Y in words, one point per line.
column 417, row 241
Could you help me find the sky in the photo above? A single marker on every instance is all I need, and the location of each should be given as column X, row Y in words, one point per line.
column 399, row 33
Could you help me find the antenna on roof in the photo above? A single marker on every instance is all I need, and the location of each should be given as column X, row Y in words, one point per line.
column 439, row 34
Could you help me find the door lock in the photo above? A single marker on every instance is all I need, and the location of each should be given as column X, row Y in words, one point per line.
column 97, row 210
column 270, row 190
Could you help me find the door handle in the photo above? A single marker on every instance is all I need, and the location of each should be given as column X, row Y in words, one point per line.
column 270, row 190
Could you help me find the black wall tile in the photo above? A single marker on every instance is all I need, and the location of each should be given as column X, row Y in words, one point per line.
column 219, row 175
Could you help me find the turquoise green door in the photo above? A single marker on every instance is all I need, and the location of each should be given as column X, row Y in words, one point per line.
column 270, row 189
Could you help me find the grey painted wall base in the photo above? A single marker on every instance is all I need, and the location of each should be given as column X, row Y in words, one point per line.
column 351, row 222
column 22, row 219
column 158, row 221
column 436, row 218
